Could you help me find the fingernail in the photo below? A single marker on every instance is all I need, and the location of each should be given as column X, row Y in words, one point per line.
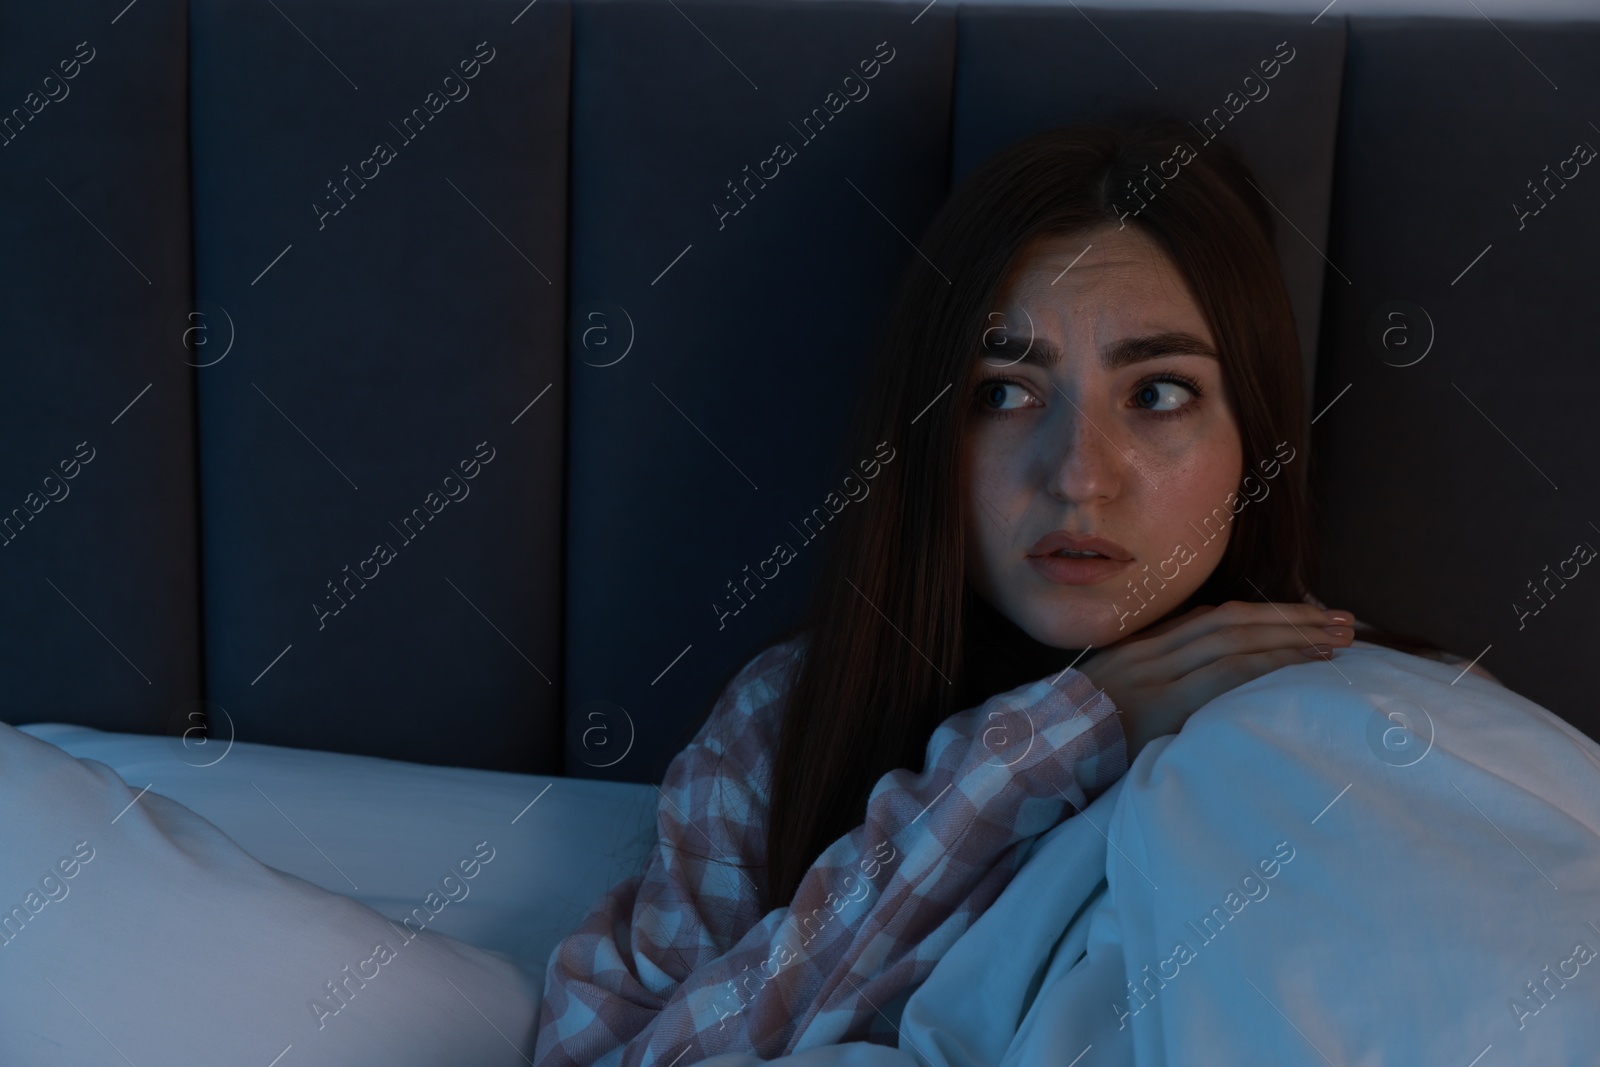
column 1317, row 651
column 1341, row 616
column 1340, row 631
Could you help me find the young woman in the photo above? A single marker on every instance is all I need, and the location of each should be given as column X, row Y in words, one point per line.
column 1101, row 363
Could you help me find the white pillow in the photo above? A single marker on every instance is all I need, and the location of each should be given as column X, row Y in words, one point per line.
column 133, row 930
column 385, row 832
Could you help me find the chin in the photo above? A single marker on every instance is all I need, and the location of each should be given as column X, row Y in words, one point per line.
column 1076, row 620
column 1079, row 631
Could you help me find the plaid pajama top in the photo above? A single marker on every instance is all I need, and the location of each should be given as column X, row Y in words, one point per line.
column 678, row 964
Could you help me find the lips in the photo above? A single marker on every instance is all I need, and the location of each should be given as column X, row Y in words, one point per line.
column 1065, row 570
column 1060, row 539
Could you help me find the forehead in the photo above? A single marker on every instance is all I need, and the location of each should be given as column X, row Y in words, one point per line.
column 1110, row 279
column 1112, row 292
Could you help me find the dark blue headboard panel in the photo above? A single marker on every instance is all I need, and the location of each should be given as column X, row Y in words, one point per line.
column 99, row 554
column 1456, row 462
column 749, row 311
column 380, row 217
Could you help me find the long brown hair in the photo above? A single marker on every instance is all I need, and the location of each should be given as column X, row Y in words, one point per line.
column 891, row 601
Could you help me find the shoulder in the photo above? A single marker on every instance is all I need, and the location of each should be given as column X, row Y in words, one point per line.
column 740, row 735
column 762, row 683
column 755, row 695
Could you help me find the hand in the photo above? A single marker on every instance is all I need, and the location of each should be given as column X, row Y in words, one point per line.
column 1161, row 675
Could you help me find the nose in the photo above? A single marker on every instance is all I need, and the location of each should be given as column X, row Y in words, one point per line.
column 1083, row 464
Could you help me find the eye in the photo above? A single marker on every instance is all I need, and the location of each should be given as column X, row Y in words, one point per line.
column 1000, row 390
column 992, row 395
column 1148, row 390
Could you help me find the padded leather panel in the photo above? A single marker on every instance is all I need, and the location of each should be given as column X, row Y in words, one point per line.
column 691, row 456
column 379, row 347
column 99, row 559
column 1448, row 485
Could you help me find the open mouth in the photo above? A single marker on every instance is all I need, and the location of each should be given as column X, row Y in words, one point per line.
column 1077, row 568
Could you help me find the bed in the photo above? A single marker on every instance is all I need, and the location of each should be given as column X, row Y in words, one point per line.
column 1379, row 860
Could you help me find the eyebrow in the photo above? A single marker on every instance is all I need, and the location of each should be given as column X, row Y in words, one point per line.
column 1127, row 351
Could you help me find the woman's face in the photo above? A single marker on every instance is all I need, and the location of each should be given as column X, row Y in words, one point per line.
column 1107, row 441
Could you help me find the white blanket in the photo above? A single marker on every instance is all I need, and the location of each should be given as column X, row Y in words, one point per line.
column 1347, row 863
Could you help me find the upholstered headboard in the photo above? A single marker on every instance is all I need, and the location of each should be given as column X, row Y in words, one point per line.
column 416, row 379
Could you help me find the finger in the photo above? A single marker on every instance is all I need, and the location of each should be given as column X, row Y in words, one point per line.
column 1245, row 638
column 1307, row 619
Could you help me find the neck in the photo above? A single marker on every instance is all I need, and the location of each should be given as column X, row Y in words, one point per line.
column 1000, row 655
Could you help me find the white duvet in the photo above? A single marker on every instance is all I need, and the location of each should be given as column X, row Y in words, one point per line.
column 1348, row 863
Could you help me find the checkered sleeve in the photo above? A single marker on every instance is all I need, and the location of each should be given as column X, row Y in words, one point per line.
column 678, row 964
